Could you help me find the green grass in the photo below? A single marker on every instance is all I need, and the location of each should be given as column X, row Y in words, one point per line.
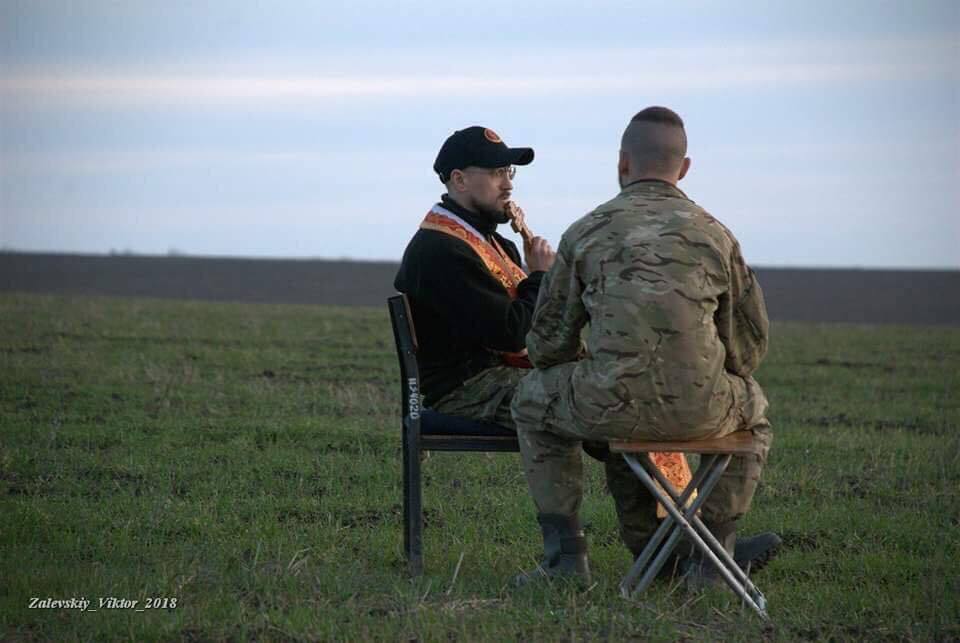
column 244, row 459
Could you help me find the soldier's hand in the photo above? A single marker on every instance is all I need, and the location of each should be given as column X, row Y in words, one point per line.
column 539, row 254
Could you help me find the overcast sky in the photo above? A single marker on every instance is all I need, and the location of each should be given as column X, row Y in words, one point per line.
column 821, row 133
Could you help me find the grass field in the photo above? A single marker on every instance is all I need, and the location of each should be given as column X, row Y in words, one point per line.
column 243, row 460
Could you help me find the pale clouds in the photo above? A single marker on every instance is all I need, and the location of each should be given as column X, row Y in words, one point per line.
column 605, row 72
column 822, row 133
column 731, row 158
column 106, row 161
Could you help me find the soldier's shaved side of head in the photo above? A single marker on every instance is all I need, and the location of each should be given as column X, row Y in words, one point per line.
column 655, row 143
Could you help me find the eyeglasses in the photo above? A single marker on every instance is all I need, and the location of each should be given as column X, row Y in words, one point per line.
column 508, row 172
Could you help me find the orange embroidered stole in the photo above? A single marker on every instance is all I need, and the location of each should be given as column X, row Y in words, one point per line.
column 495, row 258
column 676, row 470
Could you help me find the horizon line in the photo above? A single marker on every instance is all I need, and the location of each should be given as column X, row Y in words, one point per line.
column 229, row 257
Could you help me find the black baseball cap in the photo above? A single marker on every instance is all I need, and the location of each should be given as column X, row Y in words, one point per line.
column 477, row 147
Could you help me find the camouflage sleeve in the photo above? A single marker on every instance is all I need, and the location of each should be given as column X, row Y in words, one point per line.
column 741, row 318
column 554, row 336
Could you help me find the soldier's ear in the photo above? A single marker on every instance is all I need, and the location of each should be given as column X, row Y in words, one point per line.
column 623, row 165
column 684, row 168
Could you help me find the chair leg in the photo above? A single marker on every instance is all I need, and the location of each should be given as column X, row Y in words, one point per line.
column 412, row 504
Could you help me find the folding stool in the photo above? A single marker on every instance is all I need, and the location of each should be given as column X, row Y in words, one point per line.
column 682, row 515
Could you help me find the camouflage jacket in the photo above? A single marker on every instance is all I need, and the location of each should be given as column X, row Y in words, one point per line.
column 674, row 314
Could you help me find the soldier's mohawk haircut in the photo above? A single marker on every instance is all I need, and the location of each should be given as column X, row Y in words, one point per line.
column 657, row 114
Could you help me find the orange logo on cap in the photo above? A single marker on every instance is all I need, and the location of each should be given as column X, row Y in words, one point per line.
column 491, row 136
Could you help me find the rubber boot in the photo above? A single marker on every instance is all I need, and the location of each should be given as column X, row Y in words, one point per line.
column 564, row 551
column 672, row 567
column 698, row 571
column 752, row 554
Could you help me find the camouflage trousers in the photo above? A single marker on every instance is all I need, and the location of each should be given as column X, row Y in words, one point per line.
column 488, row 397
column 550, row 436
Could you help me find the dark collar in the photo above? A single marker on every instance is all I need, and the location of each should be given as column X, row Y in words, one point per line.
column 480, row 223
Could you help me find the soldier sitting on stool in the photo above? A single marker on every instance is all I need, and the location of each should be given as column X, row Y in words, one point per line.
column 677, row 325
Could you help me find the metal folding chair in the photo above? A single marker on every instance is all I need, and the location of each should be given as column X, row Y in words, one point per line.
column 682, row 518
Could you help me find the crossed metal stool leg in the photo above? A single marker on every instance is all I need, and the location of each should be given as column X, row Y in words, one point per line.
column 682, row 518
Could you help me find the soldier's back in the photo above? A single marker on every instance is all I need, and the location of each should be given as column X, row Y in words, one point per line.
column 652, row 264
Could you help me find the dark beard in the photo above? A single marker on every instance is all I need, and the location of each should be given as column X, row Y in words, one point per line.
column 497, row 216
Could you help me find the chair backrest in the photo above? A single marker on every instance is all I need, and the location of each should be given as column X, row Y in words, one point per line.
column 427, row 429
column 406, row 340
